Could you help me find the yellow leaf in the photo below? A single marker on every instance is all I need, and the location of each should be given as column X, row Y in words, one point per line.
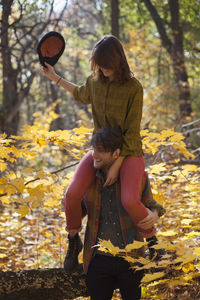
column 134, row 245
column 186, row 221
column 197, row 251
column 19, row 184
column 158, row 168
column 51, row 202
column 151, row 277
column 5, row 199
column 3, row 166
column 3, row 180
column 2, row 255
column 192, row 234
column 41, row 175
column 143, row 261
column 103, row 249
column 47, row 234
column 164, row 245
column 148, row 266
column 188, row 267
column 190, row 168
column 23, row 210
column 175, row 282
column 129, row 259
column 167, row 233
column 28, row 171
column 109, row 246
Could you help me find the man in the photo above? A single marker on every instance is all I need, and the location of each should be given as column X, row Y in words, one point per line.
column 108, row 220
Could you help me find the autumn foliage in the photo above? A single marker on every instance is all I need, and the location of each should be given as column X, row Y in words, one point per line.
column 35, row 170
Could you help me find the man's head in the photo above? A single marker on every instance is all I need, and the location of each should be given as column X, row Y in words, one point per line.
column 106, row 144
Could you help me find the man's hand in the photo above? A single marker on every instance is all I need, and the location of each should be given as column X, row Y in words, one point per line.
column 149, row 221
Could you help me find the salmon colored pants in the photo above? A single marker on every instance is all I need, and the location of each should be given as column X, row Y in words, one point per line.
column 131, row 172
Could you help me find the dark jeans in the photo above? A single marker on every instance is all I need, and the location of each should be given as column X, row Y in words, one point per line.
column 107, row 273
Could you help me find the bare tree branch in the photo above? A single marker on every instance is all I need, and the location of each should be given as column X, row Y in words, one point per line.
column 159, row 23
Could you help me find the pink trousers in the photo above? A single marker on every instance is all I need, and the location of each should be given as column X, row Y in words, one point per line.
column 131, row 172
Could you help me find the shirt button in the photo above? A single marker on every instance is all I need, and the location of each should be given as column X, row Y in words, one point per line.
column 117, row 233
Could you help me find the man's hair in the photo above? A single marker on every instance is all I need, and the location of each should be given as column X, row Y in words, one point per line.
column 107, row 139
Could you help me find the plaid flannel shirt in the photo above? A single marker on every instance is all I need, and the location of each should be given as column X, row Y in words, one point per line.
column 92, row 205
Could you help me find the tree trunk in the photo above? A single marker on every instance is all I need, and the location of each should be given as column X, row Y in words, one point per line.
column 42, row 284
column 13, row 96
column 176, row 52
column 115, row 18
column 59, row 122
column 177, row 55
column 9, row 75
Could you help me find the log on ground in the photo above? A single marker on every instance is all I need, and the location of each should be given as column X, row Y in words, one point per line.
column 42, row 284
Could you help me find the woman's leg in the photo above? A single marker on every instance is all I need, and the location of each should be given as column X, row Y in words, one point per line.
column 131, row 173
column 81, row 181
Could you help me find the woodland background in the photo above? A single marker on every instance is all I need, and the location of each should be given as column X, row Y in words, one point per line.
column 44, row 133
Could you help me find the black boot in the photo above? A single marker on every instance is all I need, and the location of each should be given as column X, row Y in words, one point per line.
column 74, row 248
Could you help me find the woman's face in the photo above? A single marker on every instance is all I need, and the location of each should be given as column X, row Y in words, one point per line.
column 107, row 73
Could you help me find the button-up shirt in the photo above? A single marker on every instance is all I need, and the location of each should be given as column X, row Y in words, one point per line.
column 109, row 221
column 115, row 105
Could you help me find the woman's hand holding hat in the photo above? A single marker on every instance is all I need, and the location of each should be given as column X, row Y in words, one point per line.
column 50, row 73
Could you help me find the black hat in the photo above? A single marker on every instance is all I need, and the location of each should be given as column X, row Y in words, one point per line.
column 50, row 48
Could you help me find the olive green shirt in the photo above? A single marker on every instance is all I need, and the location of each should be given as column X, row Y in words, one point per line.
column 115, row 105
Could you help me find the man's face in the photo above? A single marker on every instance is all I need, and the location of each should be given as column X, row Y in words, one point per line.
column 103, row 160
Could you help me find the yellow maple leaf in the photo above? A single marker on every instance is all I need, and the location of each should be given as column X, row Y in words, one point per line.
column 19, row 184
column 192, row 234
column 23, row 210
column 188, row 267
column 197, row 251
column 51, row 202
column 164, row 245
column 109, row 246
column 143, row 261
column 28, row 171
column 41, row 175
column 134, row 245
column 190, row 168
column 3, row 180
column 3, row 165
column 186, row 221
column 130, row 259
column 151, row 277
column 158, row 168
column 103, row 249
column 167, row 133
column 168, row 233
column 188, row 258
column 5, row 199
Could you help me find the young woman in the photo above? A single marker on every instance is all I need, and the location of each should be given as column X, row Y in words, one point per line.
column 116, row 97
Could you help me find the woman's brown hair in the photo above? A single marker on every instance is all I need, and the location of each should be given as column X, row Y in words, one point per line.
column 108, row 53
